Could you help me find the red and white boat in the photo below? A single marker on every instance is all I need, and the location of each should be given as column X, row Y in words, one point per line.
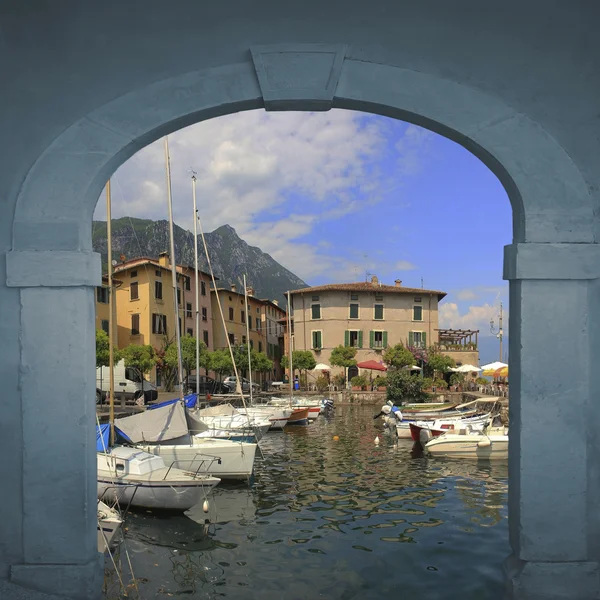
column 298, row 417
column 423, row 431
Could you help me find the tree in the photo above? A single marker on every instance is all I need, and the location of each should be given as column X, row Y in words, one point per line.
column 439, row 362
column 398, row 356
column 401, row 385
column 102, row 347
column 261, row 363
column 219, row 361
column 303, row 360
column 140, row 358
column 343, row 356
column 188, row 356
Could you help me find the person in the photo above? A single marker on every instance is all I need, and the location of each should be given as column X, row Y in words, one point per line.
column 296, row 383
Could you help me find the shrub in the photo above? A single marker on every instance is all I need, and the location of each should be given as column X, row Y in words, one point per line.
column 322, row 383
column 402, row 386
column 440, row 384
column 339, row 380
column 427, row 383
column 380, row 381
column 359, row 381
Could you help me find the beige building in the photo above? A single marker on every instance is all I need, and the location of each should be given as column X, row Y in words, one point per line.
column 271, row 316
column 368, row 315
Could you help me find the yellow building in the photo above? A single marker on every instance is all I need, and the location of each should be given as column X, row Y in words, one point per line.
column 234, row 313
column 102, row 310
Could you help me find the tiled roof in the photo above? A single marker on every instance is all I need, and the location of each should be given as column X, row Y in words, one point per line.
column 367, row 286
column 146, row 260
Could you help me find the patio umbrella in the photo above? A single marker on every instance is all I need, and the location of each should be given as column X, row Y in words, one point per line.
column 373, row 365
column 501, row 372
column 467, row 369
column 322, row 367
column 491, row 368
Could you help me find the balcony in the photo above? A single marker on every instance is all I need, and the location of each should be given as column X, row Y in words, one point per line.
column 457, row 340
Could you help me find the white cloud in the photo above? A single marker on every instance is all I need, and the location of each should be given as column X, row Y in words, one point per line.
column 404, row 265
column 476, row 317
column 249, row 165
column 466, row 294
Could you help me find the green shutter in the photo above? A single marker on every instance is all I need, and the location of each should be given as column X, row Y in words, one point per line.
column 346, row 338
column 424, row 338
column 360, row 339
column 371, row 339
column 411, row 338
column 385, row 339
column 319, row 341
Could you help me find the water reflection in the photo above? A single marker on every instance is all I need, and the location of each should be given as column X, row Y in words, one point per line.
column 336, row 519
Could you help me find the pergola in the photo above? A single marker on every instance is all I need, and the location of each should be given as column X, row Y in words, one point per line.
column 457, row 336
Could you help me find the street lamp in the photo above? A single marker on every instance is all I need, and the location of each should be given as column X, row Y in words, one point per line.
column 499, row 333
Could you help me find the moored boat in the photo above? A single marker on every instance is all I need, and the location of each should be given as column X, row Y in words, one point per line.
column 109, row 522
column 491, row 443
column 299, row 416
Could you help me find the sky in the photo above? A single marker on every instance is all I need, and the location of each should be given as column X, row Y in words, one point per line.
column 336, row 197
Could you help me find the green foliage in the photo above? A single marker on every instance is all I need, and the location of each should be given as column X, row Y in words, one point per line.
column 380, row 381
column 456, row 378
column 140, row 358
column 303, row 360
column 440, row 384
column 359, row 381
column 261, row 363
column 343, row 356
column 481, row 381
column 188, row 356
column 322, row 383
column 401, row 385
column 440, row 362
column 339, row 380
column 398, row 356
column 219, row 361
column 427, row 382
column 168, row 374
column 102, row 348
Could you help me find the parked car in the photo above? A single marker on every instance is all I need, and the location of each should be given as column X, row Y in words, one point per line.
column 207, row 385
column 128, row 383
column 230, row 384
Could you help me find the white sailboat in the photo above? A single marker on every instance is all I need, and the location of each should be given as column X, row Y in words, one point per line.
column 109, row 522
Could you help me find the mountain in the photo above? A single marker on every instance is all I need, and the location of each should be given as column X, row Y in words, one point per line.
column 230, row 256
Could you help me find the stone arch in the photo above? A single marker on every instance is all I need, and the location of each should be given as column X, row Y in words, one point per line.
column 59, row 194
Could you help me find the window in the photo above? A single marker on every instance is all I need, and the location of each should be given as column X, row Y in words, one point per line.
column 158, row 290
column 417, row 299
column 230, row 313
column 229, row 298
column 258, row 310
column 135, row 324
column 354, row 311
column 379, row 297
column 203, row 288
column 205, row 336
column 190, row 332
column 243, row 317
column 315, row 298
column 231, row 338
column 104, row 325
column 178, row 297
column 316, row 311
column 378, row 339
column 188, row 283
column 353, row 338
column 102, row 295
column 317, row 340
column 188, row 310
column 158, row 272
column 249, row 322
column 378, row 312
column 243, row 339
column 260, row 346
column 251, row 344
column 204, row 314
column 353, row 296
column 133, row 291
column 159, row 324
column 179, row 323
column 417, row 313
column 417, row 338
column 133, row 274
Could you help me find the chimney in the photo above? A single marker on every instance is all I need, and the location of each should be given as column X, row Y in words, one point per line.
column 233, row 287
column 250, row 291
column 398, row 282
column 163, row 259
column 275, row 302
column 374, row 280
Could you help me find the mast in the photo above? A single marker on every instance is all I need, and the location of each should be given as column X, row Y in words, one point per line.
column 111, row 304
column 501, row 333
column 248, row 337
column 173, row 270
column 289, row 318
column 197, row 287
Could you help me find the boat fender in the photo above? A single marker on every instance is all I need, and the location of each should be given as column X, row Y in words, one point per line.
column 205, row 506
column 424, row 436
column 484, row 443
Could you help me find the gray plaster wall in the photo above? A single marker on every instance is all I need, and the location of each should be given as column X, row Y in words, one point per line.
column 85, row 85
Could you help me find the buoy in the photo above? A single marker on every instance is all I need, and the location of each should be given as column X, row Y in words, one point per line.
column 484, row 443
column 205, row 506
column 377, row 440
column 336, row 438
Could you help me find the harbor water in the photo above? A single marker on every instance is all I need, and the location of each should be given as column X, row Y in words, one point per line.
column 331, row 518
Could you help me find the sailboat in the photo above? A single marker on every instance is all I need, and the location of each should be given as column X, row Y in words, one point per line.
column 109, row 523
column 192, row 444
column 132, row 476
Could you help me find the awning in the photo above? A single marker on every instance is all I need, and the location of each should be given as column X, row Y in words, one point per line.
column 373, row 365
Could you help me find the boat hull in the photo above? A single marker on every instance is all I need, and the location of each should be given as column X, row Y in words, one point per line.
column 109, row 523
column 469, row 447
column 298, row 417
column 235, row 459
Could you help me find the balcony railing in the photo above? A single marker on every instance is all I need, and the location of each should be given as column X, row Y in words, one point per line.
column 449, row 347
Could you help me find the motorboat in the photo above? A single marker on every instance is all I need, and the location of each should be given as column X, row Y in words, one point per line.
column 133, row 477
column 224, row 421
column 422, row 432
column 277, row 416
column 222, row 458
column 109, row 523
column 299, row 416
column 491, row 443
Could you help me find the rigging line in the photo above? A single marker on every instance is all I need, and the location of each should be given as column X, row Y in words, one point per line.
column 212, row 275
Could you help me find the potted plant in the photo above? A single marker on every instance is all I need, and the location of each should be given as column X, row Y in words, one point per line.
column 339, row 381
column 380, row 383
column 456, row 380
column 322, row 383
column 359, row 382
column 427, row 384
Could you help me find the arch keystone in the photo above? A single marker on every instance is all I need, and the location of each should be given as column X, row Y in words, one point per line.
column 298, row 76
